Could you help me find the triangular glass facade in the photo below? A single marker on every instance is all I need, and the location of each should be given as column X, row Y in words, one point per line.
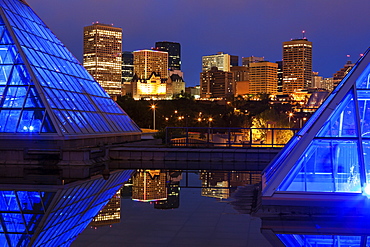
column 44, row 88
column 20, row 214
column 57, row 216
column 331, row 153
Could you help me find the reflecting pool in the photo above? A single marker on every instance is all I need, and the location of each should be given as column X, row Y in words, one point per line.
column 178, row 208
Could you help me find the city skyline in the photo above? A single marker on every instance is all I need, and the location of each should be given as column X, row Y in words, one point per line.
column 330, row 27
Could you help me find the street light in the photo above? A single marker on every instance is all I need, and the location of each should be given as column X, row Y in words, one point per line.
column 210, row 121
column 290, row 115
column 153, row 107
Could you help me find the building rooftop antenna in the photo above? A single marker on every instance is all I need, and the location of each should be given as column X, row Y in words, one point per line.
column 304, row 34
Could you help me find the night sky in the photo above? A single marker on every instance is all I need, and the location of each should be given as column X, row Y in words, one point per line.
column 245, row 28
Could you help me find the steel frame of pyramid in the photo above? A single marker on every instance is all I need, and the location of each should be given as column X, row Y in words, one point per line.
column 46, row 93
column 330, row 155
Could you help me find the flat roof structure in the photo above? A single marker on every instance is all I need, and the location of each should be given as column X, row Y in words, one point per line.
column 46, row 94
column 328, row 160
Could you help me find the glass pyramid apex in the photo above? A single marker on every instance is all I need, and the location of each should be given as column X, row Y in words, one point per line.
column 331, row 153
column 44, row 89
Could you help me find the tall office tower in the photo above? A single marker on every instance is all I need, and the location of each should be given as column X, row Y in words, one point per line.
column 241, row 79
column 102, row 56
column 149, row 185
column 263, row 78
column 297, row 65
column 339, row 75
column 148, row 61
column 247, row 60
column 280, row 76
column 127, row 72
column 222, row 61
column 127, row 66
column 327, row 84
column 150, row 74
column 317, row 81
column 216, row 84
column 174, row 53
column 110, row 214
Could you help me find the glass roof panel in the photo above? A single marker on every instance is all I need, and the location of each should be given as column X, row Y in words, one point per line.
column 326, row 166
column 342, row 121
column 54, row 67
column 363, row 82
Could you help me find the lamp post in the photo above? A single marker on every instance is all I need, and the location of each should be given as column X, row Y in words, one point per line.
column 290, row 116
column 153, row 107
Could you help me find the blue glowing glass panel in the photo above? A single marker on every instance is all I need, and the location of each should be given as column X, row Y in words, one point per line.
column 293, row 240
column 364, row 110
column 76, row 208
column 74, row 96
column 363, row 82
column 342, row 121
column 326, row 166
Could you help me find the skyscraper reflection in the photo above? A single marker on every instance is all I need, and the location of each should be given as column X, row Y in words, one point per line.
column 149, row 185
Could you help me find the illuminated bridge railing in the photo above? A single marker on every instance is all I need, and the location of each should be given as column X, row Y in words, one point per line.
column 228, row 137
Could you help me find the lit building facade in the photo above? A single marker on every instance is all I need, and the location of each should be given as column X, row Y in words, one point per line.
column 174, row 53
column 148, row 61
column 110, row 214
column 222, row 61
column 150, row 74
column 248, row 60
column 154, row 87
column 216, row 84
column 149, row 185
column 280, row 76
column 339, row 75
column 175, row 85
column 317, row 81
column 263, row 78
column 127, row 72
column 102, row 56
column 297, row 65
column 241, row 79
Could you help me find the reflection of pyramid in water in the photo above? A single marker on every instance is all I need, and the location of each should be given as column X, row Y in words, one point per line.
column 54, row 215
column 43, row 88
column 331, row 153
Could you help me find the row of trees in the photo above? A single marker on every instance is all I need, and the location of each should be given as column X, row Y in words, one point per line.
column 187, row 112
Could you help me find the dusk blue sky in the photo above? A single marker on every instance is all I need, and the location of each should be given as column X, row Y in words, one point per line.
column 337, row 28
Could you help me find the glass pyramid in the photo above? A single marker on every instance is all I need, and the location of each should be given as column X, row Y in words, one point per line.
column 331, row 153
column 54, row 216
column 44, row 89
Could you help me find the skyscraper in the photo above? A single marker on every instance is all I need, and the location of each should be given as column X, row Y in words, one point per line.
column 102, row 56
column 174, row 53
column 150, row 74
column 339, row 75
column 297, row 65
column 148, row 61
column 263, row 77
column 127, row 72
column 222, row 61
column 216, row 83
column 247, row 60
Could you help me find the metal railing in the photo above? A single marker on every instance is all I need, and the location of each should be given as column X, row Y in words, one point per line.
column 228, row 137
